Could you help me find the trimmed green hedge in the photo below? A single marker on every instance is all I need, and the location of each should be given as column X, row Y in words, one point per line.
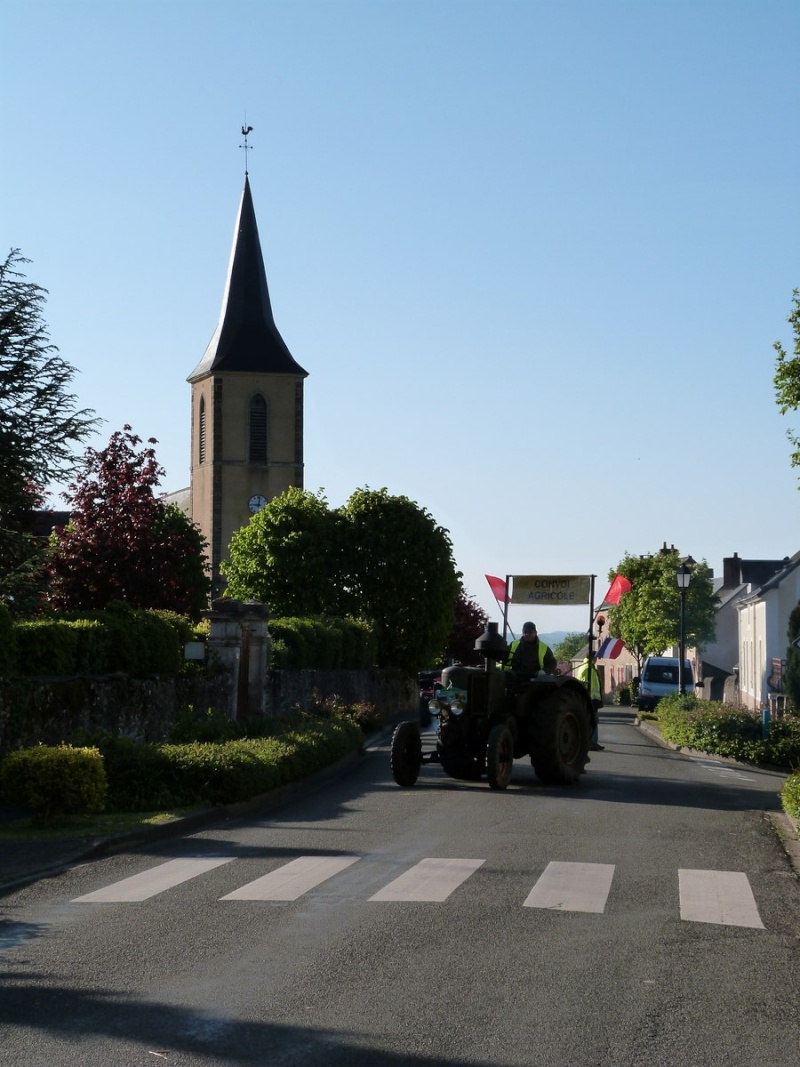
column 119, row 639
column 322, row 643
column 150, row 777
column 55, row 781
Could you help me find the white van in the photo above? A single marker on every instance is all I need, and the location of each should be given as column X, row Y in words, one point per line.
column 660, row 679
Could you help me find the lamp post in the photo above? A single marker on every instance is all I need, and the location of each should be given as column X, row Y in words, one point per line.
column 683, row 576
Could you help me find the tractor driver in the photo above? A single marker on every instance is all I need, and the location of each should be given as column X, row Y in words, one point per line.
column 528, row 655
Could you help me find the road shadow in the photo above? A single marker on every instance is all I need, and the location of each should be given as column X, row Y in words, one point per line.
column 67, row 1018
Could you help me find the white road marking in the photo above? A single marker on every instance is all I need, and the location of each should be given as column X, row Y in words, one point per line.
column 572, row 887
column 722, row 897
column 293, row 879
column 429, row 880
column 149, row 883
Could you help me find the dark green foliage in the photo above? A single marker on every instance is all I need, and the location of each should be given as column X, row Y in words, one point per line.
column 54, row 782
column 8, row 642
column 122, row 639
column 322, row 643
column 148, row 777
column 39, row 426
column 380, row 557
column 791, row 676
column 404, row 577
column 292, row 557
column 712, row 726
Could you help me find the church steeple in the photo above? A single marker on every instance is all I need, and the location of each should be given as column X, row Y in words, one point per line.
column 247, row 403
column 246, row 338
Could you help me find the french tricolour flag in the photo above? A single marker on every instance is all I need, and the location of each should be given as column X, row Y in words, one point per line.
column 610, row 648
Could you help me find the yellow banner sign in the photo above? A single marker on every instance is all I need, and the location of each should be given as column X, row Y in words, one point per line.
column 557, row 590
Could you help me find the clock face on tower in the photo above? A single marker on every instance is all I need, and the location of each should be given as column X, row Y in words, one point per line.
column 256, row 503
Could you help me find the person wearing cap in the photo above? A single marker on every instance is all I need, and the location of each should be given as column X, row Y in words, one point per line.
column 589, row 675
column 528, row 655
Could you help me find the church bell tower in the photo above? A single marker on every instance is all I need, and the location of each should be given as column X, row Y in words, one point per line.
column 247, row 403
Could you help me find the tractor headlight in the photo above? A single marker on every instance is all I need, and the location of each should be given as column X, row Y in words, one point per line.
column 434, row 706
column 456, row 707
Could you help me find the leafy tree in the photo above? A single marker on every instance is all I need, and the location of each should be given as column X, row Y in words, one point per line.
column 470, row 622
column 124, row 543
column 379, row 557
column 791, row 677
column 403, row 577
column 787, row 375
column 647, row 617
column 39, row 423
column 292, row 556
column 571, row 644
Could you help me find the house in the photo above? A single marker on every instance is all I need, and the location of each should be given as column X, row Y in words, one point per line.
column 763, row 622
column 719, row 660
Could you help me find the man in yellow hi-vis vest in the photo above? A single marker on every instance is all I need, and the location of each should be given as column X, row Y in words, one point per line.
column 528, row 655
column 588, row 674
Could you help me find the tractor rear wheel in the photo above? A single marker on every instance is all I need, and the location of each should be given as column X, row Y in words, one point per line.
column 499, row 757
column 560, row 730
column 406, row 753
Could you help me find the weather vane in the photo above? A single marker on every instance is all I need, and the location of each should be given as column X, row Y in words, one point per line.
column 245, row 131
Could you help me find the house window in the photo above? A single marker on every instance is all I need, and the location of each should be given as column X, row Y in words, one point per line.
column 257, row 450
column 201, row 430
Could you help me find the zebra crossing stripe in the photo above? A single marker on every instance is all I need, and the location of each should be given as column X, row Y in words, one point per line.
column 293, row 879
column 149, row 883
column 572, row 887
column 430, row 880
column 721, row 897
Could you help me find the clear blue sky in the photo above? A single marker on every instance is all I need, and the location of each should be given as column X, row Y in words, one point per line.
column 534, row 255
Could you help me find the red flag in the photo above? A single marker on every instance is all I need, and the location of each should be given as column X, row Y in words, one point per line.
column 498, row 587
column 619, row 586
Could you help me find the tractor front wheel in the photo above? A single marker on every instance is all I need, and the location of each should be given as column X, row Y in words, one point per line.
column 406, row 753
column 499, row 757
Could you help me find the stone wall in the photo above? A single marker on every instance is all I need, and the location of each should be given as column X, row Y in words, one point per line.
column 55, row 710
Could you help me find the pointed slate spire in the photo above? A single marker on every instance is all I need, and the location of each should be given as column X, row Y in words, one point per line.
column 246, row 338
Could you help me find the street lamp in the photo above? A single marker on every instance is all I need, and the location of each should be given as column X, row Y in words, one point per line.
column 683, row 576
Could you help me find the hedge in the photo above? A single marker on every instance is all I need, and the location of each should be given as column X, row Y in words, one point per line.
column 119, row 639
column 322, row 643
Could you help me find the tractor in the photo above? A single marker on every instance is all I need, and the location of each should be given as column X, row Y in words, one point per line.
column 487, row 718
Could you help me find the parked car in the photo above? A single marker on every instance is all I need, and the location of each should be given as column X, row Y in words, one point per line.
column 660, row 678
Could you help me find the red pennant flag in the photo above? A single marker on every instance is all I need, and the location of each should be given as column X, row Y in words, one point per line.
column 498, row 587
column 619, row 586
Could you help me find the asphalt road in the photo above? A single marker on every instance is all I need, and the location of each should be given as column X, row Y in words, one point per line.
column 648, row 917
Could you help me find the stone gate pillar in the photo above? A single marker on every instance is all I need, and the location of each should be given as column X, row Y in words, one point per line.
column 238, row 640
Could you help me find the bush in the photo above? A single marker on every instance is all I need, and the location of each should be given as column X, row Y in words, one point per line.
column 712, row 726
column 55, row 782
column 148, row 777
column 622, row 696
column 790, row 796
column 136, row 642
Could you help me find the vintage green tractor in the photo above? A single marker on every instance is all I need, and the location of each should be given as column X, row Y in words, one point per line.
column 487, row 718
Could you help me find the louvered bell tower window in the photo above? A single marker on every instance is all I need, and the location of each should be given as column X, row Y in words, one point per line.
column 257, row 451
column 201, row 432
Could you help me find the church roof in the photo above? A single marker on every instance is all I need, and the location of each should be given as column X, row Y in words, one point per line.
column 246, row 338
